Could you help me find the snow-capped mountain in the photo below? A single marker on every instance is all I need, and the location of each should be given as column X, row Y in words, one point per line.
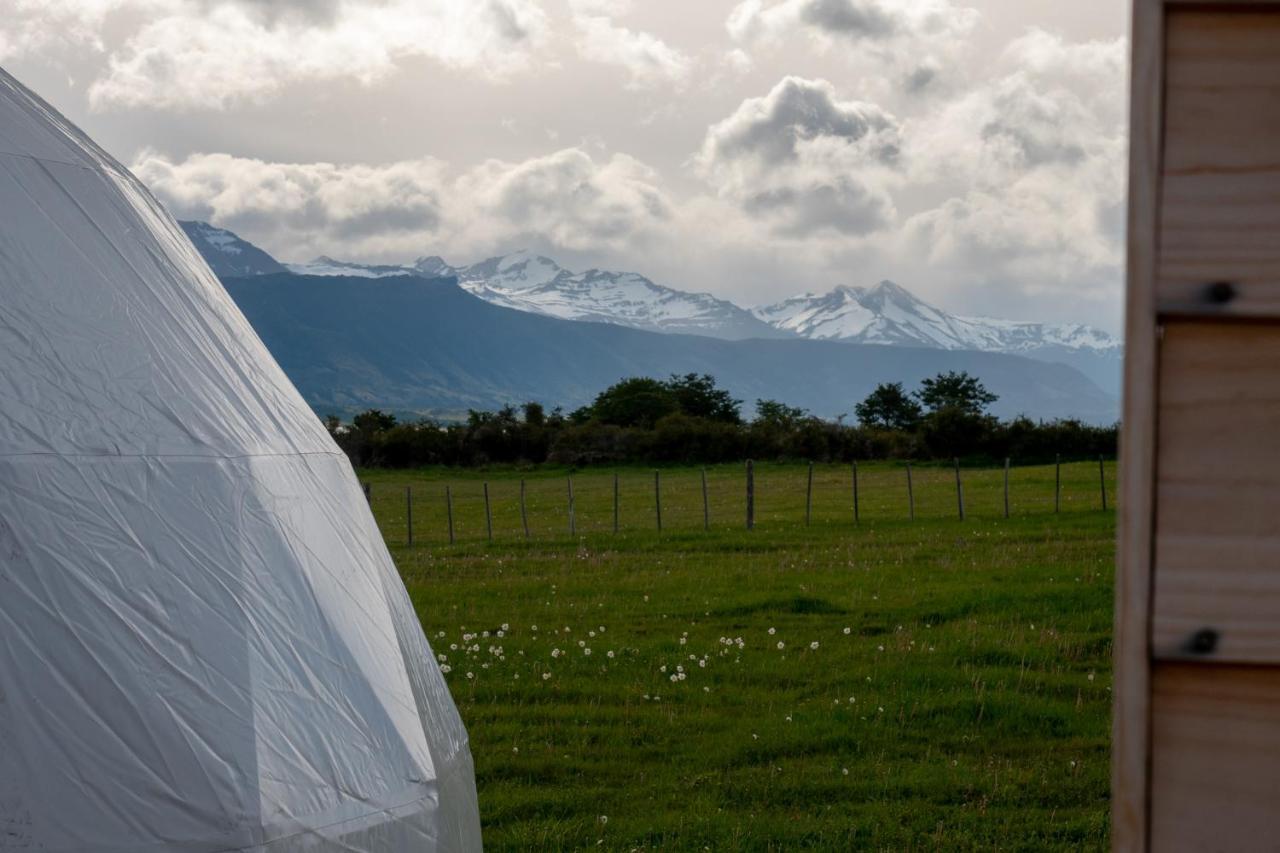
column 889, row 314
column 885, row 314
column 531, row 282
column 228, row 255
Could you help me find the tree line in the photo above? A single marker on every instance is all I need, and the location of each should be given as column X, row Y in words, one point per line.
column 690, row 419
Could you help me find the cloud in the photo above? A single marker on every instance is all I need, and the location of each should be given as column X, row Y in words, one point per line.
column 567, row 198
column 1041, row 148
column 805, row 161
column 910, row 39
column 400, row 210
column 306, row 208
column 648, row 60
column 218, row 53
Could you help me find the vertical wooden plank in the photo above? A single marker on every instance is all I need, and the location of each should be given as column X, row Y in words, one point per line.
column 706, row 509
column 524, row 512
column 1130, row 751
column 959, row 490
column 1006, row 487
column 573, row 526
column 615, row 501
column 657, row 497
column 488, row 516
column 911, row 496
column 751, row 495
column 448, row 505
column 808, row 498
column 408, row 513
column 1102, row 482
column 855, row 491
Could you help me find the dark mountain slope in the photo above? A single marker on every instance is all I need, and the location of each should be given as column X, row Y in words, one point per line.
column 413, row 344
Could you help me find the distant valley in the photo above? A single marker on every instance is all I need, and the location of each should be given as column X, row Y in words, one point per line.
column 432, row 337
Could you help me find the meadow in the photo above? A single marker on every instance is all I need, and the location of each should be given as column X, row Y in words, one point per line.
column 890, row 684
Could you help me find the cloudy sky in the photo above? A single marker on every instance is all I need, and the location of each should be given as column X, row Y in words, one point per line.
column 971, row 150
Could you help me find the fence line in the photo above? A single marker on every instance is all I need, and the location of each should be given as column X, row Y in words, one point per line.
column 702, row 485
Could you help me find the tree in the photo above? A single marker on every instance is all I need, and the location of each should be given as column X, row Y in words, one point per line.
column 636, row 402
column 372, row 421
column 698, row 397
column 889, row 406
column 534, row 414
column 777, row 415
column 955, row 390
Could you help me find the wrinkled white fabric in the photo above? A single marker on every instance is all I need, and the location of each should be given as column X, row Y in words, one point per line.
column 204, row 644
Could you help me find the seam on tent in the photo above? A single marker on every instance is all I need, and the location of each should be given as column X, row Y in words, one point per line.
column 212, row 456
column 98, row 167
column 449, row 767
column 314, row 829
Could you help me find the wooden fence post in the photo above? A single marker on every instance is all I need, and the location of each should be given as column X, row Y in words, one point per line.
column 524, row 513
column 1057, row 481
column 1102, row 482
column 573, row 526
column 368, row 492
column 488, row 516
column 808, row 498
column 615, row 501
column 408, row 512
column 855, row 491
column 1006, row 487
column 706, row 510
column 911, row 497
column 751, row 495
column 959, row 490
column 657, row 497
column 448, row 505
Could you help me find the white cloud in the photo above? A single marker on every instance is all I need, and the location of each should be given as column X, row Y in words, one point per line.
column 32, row 27
column 217, row 53
column 805, row 161
column 567, row 198
column 307, row 208
column 912, row 39
column 398, row 211
column 1036, row 161
column 648, row 60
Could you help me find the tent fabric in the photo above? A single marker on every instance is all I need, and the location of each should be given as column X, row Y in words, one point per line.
column 204, row 643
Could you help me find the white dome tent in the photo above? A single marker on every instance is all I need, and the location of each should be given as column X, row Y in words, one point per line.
column 204, row 644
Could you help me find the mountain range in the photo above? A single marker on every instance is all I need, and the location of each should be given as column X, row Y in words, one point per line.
column 841, row 343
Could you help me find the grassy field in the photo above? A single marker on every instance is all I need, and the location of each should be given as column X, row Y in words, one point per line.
column 894, row 685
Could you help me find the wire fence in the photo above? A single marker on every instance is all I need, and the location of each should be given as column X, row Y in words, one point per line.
column 684, row 500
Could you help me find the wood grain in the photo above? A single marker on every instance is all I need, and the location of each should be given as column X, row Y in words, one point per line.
column 1216, row 758
column 1130, row 721
column 1218, row 493
column 1220, row 194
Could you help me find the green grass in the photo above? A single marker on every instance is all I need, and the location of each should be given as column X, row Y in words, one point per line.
column 958, row 697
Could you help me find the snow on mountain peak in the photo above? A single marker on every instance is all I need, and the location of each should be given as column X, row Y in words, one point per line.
column 888, row 313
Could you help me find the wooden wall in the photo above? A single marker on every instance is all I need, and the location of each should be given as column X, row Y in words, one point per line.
column 1196, row 755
